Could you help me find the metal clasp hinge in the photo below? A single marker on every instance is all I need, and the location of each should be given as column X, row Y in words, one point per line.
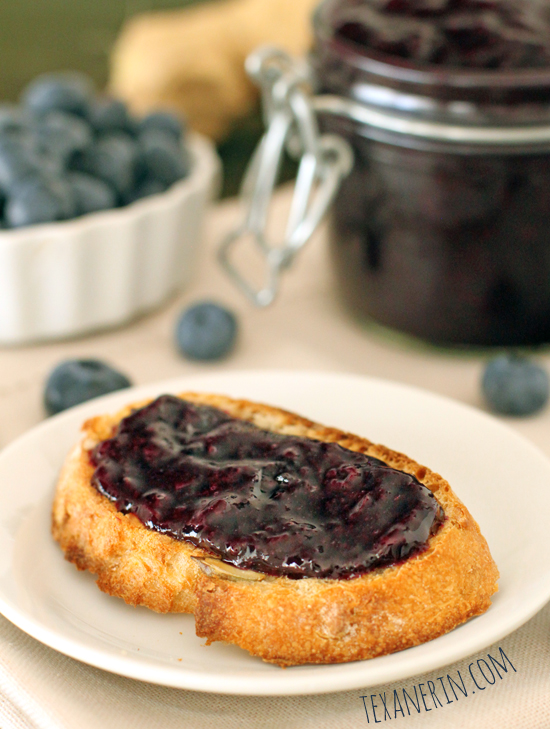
column 324, row 160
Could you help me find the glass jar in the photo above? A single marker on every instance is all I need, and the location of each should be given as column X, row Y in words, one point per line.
column 442, row 229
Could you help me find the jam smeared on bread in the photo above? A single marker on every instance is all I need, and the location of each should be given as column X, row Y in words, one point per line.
column 276, row 617
column 270, row 502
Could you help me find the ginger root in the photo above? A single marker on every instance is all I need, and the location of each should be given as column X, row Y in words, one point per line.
column 192, row 60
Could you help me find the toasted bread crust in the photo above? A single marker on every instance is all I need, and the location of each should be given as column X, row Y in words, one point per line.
column 282, row 620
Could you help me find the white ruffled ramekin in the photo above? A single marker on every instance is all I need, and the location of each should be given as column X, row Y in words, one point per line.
column 100, row 270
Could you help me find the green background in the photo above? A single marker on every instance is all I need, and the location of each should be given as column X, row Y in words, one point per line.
column 51, row 35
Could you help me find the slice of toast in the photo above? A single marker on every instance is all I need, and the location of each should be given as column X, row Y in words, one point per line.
column 282, row 620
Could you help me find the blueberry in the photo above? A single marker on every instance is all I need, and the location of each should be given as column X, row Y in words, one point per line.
column 113, row 158
column 206, row 331
column 69, row 91
column 78, row 380
column 146, row 188
column 162, row 157
column 91, row 193
column 513, row 385
column 63, row 135
column 48, row 165
column 35, row 200
column 17, row 161
column 109, row 115
column 61, row 187
column 163, row 121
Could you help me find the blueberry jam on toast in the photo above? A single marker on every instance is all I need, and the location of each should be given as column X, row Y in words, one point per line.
column 275, row 503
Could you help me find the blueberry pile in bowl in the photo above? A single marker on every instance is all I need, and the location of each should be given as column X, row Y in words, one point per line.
column 147, row 184
column 66, row 151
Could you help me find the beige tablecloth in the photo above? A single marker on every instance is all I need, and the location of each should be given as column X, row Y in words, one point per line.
column 305, row 329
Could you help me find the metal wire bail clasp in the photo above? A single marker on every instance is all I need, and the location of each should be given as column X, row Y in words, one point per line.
column 323, row 161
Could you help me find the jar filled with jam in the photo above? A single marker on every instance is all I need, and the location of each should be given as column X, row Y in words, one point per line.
column 442, row 228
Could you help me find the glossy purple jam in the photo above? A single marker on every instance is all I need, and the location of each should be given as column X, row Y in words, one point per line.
column 278, row 504
column 452, row 33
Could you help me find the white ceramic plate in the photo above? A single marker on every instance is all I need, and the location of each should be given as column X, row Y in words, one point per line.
column 487, row 463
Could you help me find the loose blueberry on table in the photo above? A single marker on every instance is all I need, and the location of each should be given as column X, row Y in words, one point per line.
column 513, row 385
column 75, row 381
column 65, row 152
column 206, row 331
